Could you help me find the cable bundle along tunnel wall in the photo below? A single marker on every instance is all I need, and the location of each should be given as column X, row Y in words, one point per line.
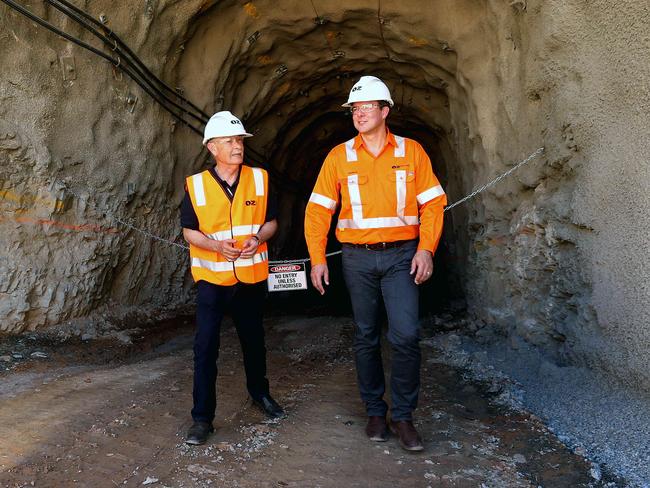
column 555, row 255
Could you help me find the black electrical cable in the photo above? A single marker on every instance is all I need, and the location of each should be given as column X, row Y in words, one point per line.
column 50, row 27
column 258, row 158
column 202, row 119
column 128, row 50
column 115, row 62
column 155, row 94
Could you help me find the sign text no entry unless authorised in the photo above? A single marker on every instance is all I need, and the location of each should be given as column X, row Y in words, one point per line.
column 283, row 277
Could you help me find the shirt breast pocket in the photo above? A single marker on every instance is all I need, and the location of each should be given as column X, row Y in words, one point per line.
column 354, row 179
column 405, row 175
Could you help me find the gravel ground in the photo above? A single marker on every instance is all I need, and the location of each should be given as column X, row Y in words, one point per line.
column 605, row 422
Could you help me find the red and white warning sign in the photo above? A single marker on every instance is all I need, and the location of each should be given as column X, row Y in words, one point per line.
column 283, row 277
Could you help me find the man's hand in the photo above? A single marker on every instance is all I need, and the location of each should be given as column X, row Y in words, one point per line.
column 421, row 265
column 227, row 249
column 249, row 248
column 320, row 273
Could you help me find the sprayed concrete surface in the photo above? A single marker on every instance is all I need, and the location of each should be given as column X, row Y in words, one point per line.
column 555, row 255
column 110, row 414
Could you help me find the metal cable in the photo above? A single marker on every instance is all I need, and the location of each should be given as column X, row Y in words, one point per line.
column 304, row 260
column 113, row 218
column 156, row 94
column 448, row 207
column 497, row 179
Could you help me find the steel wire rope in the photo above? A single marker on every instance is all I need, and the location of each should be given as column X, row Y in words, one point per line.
column 122, row 222
column 63, row 34
column 117, row 64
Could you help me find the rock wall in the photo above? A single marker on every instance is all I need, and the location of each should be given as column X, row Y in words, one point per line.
column 73, row 155
column 555, row 255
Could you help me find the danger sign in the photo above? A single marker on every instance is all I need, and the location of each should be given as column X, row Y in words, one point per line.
column 283, row 277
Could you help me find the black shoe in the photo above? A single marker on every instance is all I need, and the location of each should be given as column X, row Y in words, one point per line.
column 270, row 407
column 198, row 433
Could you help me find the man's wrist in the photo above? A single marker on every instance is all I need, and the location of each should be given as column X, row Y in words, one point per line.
column 256, row 237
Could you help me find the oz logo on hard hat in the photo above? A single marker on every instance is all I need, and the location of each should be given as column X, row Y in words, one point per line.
column 235, row 122
column 367, row 89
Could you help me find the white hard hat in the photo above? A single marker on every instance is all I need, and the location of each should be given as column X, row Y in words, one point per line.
column 224, row 124
column 368, row 89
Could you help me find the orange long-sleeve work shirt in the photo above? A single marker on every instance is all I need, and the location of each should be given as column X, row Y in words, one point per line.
column 394, row 196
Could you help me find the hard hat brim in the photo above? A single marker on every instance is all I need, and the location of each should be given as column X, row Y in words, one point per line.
column 349, row 104
column 243, row 134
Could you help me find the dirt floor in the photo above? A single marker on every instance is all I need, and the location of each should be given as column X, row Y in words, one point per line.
column 102, row 414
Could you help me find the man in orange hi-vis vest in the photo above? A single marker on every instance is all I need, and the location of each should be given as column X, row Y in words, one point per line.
column 227, row 217
column 389, row 226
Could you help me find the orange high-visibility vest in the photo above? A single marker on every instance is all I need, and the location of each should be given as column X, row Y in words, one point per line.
column 383, row 199
column 220, row 219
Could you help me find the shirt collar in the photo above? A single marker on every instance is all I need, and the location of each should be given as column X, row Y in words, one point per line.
column 390, row 139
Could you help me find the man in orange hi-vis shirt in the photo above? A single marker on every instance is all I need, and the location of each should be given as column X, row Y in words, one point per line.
column 227, row 217
column 389, row 226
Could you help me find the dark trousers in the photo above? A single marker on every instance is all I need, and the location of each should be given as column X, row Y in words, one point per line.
column 370, row 275
column 245, row 303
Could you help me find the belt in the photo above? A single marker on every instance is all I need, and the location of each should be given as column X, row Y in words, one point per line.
column 378, row 246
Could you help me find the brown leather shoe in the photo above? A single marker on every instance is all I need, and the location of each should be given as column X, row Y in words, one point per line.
column 376, row 429
column 409, row 438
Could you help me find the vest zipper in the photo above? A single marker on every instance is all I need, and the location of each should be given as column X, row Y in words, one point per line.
column 234, row 268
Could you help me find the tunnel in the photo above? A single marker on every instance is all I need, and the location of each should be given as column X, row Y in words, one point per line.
column 288, row 82
column 93, row 165
column 534, row 114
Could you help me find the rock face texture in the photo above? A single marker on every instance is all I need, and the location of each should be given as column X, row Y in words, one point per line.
column 556, row 255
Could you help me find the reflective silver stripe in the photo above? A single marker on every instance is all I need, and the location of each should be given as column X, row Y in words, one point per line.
column 242, row 230
column 377, row 223
column 260, row 257
column 220, row 266
column 259, row 182
column 430, row 194
column 400, row 187
column 323, row 201
column 199, row 192
column 355, row 197
column 220, row 236
column 350, row 151
column 400, row 149
column 238, row 230
column 211, row 265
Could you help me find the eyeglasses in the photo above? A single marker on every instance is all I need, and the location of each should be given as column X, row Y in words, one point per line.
column 364, row 108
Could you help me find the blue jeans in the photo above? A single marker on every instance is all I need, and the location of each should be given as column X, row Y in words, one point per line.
column 246, row 304
column 370, row 275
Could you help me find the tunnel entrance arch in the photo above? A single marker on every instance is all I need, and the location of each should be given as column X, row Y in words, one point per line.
column 289, row 76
